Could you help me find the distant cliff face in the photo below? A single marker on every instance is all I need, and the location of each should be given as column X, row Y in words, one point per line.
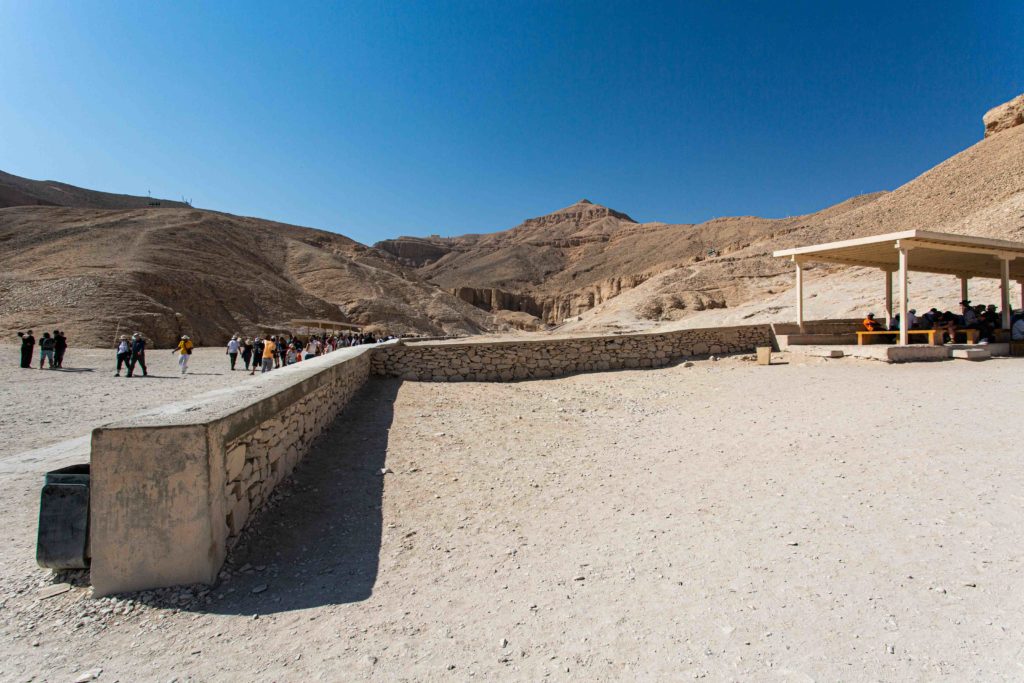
column 414, row 252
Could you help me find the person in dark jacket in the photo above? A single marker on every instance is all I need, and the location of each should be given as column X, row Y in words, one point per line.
column 28, row 344
column 60, row 345
column 247, row 352
column 257, row 353
column 138, row 354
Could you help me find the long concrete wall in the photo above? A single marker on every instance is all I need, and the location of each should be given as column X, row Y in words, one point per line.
column 171, row 489
column 535, row 359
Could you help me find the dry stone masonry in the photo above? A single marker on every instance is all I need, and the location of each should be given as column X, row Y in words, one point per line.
column 261, row 458
column 539, row 359
column 173, row 489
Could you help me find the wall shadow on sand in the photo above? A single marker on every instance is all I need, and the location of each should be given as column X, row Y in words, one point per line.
column 321, row 544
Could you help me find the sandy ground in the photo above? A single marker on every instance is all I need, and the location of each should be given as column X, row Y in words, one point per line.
column 817, row 520
column 51, row 406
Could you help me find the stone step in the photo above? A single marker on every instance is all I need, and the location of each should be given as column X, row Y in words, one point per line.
column 971, row 354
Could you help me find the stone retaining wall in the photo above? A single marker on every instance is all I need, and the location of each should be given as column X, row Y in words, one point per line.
column 537, row 359
column 172, row 489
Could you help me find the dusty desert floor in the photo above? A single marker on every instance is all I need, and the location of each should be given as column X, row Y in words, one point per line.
column 816, row 520
column 48, row 406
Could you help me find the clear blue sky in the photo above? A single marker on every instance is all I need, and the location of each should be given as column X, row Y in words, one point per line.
column 383, row 118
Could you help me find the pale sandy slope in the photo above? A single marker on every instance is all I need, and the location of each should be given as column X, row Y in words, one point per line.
column 724, row 521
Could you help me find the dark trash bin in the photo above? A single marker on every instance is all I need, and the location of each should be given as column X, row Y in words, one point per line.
column 63, row 541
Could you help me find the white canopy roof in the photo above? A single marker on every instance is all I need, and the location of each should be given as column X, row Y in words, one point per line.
column 931, row 252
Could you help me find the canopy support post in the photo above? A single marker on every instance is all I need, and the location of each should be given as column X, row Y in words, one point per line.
column 1004, row 277
column 963, row 288
column 799, row 294
column 888, row 299
column 903, row 295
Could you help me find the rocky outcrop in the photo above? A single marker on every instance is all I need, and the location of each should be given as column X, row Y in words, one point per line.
column 414, row 251
column 582, row 212
column 493, row 300
column 1004, row 116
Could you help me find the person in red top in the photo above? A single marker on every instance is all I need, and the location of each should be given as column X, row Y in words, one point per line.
column 872, row 325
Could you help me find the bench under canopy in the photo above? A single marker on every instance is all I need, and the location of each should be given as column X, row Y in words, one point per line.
column 918, row 250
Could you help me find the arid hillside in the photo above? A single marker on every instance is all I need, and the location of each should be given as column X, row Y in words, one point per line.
column 173, row 271
column 18, row 191
column 580, row 259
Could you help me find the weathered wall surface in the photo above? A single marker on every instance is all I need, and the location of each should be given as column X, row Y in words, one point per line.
column 537, row 359
column 171, row 490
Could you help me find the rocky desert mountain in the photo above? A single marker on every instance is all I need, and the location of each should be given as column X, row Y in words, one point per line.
column 127, row 266
column 18, row 191
column 583, row 258
column 96, row 263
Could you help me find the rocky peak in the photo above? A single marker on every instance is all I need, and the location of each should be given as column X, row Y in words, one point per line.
column 582, row 212
column 1004, row 116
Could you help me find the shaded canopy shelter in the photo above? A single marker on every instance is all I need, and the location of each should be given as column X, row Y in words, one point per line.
column 922, row 251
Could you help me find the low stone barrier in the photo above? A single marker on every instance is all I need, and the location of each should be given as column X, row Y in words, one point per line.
column 172, row 488
column 505, row 361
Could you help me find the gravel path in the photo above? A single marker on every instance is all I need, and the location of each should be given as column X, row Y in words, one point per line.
column 723, row 521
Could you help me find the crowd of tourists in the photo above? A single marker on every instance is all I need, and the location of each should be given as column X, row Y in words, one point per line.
column 985, row 319
column 277, row 351
column 52, row 348
column 261, row 352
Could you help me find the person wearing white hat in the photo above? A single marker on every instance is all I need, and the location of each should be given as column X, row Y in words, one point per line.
column 124, row 352
column 232, row 351
column 184, row 352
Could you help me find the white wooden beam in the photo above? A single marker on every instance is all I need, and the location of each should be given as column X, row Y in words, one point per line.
column 903, row 295
column 888, row 298
column 1005, row 290
column 960, row 249
column 799, row 294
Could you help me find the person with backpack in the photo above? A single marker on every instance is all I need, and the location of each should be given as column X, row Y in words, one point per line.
column 184, row 352
column 138, row 354
column 28, row 344
column 46, row 350
column 257, row 353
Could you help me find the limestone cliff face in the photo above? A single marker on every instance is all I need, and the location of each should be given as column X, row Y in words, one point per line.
column 1004, row 116
column 551, row 309
column 414, row 252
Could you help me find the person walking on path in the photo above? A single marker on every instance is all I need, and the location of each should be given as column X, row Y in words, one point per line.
column 268, row 355
column 28, row 345
column 247, row 352
column 232, row 351
column 138, row 354
column 257, row 353
column 46, row 350
column 184, row 352
column 60, row 346
column 124, row 354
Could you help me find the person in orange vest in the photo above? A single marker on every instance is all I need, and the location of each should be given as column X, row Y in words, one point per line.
column 872, row 325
